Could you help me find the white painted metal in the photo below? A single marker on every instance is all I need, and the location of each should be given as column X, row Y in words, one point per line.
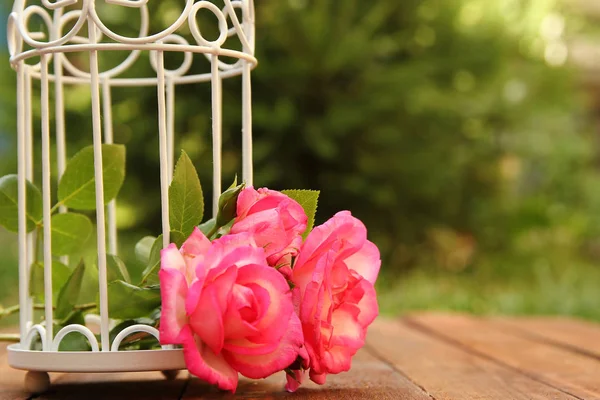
column 43, row 59
column 97, row 361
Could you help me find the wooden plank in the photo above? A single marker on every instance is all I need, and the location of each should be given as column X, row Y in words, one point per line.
column 142, row 385
column 448, row 372
column 575, row 335
column 11, row 380
column 369, row 379
column 564, row 370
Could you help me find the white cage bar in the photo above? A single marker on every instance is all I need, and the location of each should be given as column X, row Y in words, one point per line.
column 44, row 57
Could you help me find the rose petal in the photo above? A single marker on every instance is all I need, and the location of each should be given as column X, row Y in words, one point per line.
column 173, row 292
column 317, row 378
column 267, row 230
column 338, row 359
column 207, row 319
column 348, row 232
column 196, row 244
column 280, row 300
column 237, row 327
column 193, row 297
column 206, row 365
column 247, row 347
column 235, row 249
column 262, row 366
column 171, row 258
column 246, row 199
column 347, row 331
column 369, row 309
column 366, row 262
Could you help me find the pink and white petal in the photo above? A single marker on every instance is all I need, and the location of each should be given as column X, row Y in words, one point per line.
column 236, row 328
column 343, row 233
column 193, row 297
column 171, row 258
column 317, row 378
column 369, row 309
column 347, row 331
column 366, row 262
column 261, row 299
column 262, row 366
column 197, row 244
column 317, row 268
column 207, row 320
column 309, row 308
column 293, row 216
column 246, row 199
column 173, row 292
column 267, row 199
column 338, row 359
column 266, row 228
column 226, row 244
column 246, row 347
column 239, row 257
column 284, row 257
column 279, row 295
column 206, row 365
column 239, row 249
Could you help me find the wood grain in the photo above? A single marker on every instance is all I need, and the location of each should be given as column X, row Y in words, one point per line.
column 126, row 386
column 575, row 335
column 421, row 357
column 448, row 372
column 11, row 381
column 370, row 378
column 557, row 367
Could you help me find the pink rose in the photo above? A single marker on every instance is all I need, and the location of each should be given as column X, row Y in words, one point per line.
column 229, row 309
column 334, row 276
column 276, row 222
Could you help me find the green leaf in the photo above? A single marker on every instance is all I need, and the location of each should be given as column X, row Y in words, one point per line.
column 77, row 187
column 70, row 232
column 208, row 227
column 150, row 273
column 308, row 199
column 126, row 301
column 143, row 248
column 73, row 341
column 60, row 275
column 116, row 269
column 225, row 229
column 186, row 202
column 89, row 283
column 9, row 204
column 178, row 238
column 69, row 294
column 228, row 204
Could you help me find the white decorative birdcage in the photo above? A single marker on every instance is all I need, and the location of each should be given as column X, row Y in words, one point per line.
column 43, row 57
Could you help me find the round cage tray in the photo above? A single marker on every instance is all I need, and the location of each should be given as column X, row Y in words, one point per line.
column 101, row 361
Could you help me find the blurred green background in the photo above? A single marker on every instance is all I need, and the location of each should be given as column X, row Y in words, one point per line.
column 464, row 133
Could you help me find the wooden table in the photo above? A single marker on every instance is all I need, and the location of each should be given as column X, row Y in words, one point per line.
column 420, row 357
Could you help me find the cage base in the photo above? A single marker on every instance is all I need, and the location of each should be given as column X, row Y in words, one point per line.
column 108, row 361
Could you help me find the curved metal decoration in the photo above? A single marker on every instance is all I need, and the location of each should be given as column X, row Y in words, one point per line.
column 57, row 15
